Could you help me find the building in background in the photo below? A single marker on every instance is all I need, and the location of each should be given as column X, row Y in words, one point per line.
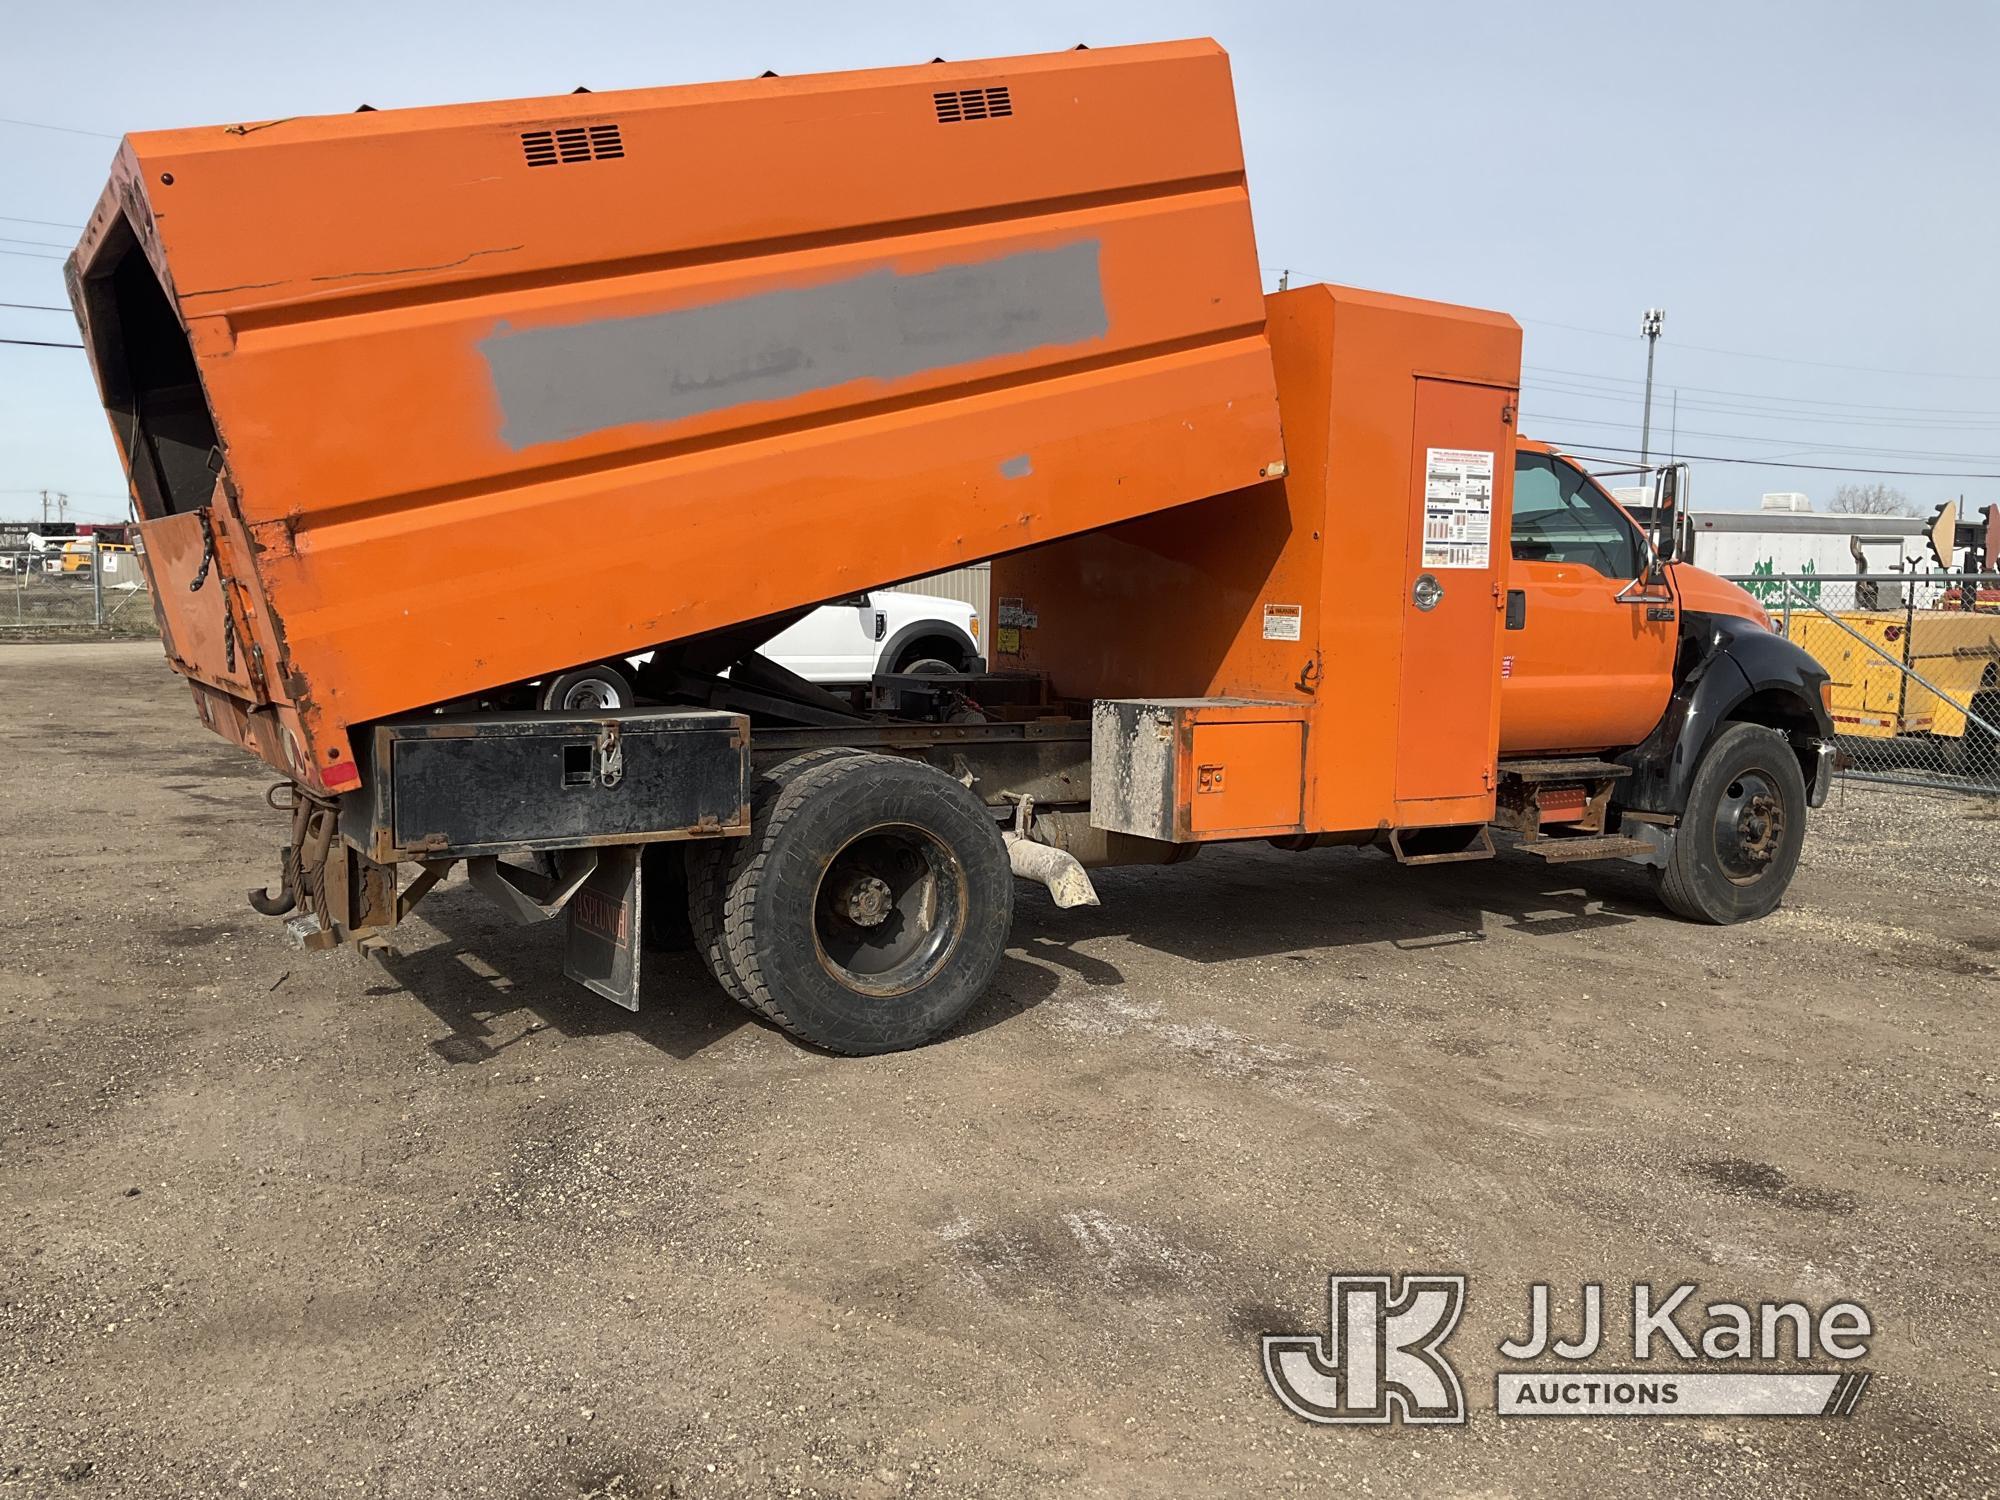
column 971, row 584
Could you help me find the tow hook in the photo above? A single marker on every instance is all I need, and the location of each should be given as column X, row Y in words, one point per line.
column 266, row 904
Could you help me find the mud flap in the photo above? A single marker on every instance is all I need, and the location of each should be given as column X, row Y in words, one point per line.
column 601, row 928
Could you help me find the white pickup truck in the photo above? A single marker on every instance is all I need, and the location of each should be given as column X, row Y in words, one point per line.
column 883, row 630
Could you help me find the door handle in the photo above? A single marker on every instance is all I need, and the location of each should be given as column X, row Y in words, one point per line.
column 1427, row 593
column 1517, row 609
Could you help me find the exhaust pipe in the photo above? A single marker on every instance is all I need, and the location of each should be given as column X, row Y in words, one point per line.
column 1060, row 872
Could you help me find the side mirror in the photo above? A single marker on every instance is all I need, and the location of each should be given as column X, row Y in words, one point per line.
column 1669, row 496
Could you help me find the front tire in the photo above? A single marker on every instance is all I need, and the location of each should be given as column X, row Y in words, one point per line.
column 869, row 906
column 1738, row 842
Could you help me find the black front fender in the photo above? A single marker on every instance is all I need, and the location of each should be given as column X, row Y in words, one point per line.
column 1728, row 669
column 916, row 630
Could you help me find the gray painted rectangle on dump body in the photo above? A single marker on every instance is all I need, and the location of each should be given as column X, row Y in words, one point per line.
column 563, row 382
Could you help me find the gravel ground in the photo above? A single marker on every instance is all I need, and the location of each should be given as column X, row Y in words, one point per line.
column 284, row 1224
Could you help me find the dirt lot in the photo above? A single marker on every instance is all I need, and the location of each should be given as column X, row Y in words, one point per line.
column 291, row 1224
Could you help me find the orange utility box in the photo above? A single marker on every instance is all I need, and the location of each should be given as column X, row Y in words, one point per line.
column 387, row 382
column 1319, row 653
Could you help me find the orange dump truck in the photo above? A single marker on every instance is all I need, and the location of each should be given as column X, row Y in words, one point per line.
column 1261, row 567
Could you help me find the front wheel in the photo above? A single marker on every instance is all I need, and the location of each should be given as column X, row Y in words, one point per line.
column 1739, row 837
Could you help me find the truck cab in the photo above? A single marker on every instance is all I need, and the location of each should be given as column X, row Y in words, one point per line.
column 1590, row 648
column 1715, row 732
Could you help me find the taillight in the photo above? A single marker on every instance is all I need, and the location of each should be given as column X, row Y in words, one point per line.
column 1893, row 633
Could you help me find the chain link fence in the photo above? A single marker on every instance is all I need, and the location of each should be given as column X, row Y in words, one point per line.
column 1915, row 663
column 78, row 589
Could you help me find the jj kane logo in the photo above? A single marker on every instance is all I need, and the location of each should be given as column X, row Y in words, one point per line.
column 1382, row 1357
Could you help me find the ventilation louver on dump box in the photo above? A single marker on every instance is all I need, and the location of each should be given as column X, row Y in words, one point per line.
column 573, row 143
column 956, row 105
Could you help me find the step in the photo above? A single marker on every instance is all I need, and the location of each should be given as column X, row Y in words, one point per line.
column 1598, row 846
column 1481, row 848
column 1586, row 768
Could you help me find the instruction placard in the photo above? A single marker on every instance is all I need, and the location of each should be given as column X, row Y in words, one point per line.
column 1283, row 622
column 1458, row 507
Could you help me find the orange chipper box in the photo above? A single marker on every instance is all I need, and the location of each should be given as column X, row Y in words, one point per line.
column 420, row 403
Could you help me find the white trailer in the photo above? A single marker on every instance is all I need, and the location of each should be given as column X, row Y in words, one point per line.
column 1736, row 543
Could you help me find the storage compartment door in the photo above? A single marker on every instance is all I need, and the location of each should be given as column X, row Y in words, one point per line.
column 1245, row 777
column 1462, row 463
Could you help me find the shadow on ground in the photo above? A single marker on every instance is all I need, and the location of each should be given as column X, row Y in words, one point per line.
column 1229, row 906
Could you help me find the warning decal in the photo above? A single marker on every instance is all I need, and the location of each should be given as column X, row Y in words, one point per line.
column 1458, row 507
column 1282, row 622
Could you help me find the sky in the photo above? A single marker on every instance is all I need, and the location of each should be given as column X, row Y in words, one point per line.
column 1807, row 189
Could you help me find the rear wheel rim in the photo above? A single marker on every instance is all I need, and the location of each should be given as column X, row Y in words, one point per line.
column 1750, row 824
column 888, row 910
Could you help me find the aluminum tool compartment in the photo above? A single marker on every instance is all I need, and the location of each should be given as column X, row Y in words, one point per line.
column 782, row 339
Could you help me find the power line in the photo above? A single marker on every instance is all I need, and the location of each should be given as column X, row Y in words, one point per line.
column 37, row 306
column 60, row 129
column 1739, row 353
column 1804, row 444
column 45, row 223
column 36, row 489
column 47, row 244
column 1804, row 411
column 33, row 255
column 1817, row 364
column 1782, row 359
column 40, row 344
column 1773, row 463
column 1727, row 409
column 1707, row 390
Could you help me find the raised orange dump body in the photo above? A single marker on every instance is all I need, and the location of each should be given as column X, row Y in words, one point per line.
column 422, row 403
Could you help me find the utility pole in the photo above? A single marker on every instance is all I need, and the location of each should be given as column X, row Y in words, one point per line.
column 1650, row 326
column 1284, row 278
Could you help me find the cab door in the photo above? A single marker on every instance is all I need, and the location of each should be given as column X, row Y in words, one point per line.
column 1581, row 669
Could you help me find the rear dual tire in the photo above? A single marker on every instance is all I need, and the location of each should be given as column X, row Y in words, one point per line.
column 867, row 908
